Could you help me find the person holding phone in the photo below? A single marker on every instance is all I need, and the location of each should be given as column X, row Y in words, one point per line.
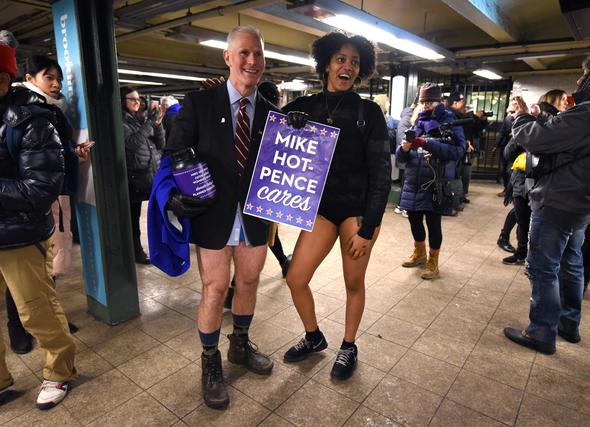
column 144, row 141
column 430, row 160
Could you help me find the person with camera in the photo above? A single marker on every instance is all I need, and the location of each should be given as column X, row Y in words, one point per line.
column 471, row 130
column 144, row 141
column 550, row 104
column 560, row 201
column 430, row 154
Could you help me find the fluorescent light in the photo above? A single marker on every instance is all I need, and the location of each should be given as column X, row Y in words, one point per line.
column 487, row 74
column 294, row 85
column 164, row 75
column 386, row 78
column 376, row 34
column 218, row 44
column 141, row 82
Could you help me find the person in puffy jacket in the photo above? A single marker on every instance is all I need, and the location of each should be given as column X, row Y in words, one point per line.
column 560, row 202
column 44, row 76
column 31, row 178
column 429, row 163
column 144, row 141
column 355, row 193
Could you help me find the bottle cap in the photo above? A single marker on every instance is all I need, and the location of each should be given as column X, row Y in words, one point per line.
column 184, row 154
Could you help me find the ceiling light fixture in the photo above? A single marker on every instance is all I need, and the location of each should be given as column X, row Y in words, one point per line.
column 218, row 44
column 163, row 75
column 487, row 74
column 376, row 34
column 140, row 82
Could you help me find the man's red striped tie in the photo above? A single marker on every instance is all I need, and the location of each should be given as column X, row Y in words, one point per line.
column 242, row 136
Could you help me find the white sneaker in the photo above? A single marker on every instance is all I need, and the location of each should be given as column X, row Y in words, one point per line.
column 397, row 210
column 51, row 393
column 7, row 386
column 404, row 214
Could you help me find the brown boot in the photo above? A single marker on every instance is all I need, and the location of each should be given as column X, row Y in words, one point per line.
column 417, row 258
column 214, row 389
column 431, row 270
column 243, row 352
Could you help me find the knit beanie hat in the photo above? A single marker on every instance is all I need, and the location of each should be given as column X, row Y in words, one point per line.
column 430, row 92
column 455, row 97
column 8, row 53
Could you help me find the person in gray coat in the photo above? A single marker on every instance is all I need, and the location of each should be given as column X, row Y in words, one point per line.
column 560, row 203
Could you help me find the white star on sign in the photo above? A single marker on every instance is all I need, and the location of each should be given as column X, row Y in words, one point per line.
column 323, row 132
column 259, row 209
column 249, row 206
column 299, row 220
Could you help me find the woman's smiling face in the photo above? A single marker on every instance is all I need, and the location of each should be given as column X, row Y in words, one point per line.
column 343, row 69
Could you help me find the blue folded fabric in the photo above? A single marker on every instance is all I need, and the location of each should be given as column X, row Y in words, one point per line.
column 169, row 248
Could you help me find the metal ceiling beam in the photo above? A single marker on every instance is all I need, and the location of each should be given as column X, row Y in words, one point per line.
column 151, row 8
column 279, row 14
column 534, row 63
column 488, row 16
column 211, row 13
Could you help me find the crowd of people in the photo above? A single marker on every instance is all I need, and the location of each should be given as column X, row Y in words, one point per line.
column 544, row 175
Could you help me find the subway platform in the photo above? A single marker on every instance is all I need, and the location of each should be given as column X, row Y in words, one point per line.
column 430, row 352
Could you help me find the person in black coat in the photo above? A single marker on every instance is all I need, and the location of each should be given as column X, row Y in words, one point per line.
column 31, row 178
column 429, row 163
column 144, row 141
column 355, row 193
column 234, row 119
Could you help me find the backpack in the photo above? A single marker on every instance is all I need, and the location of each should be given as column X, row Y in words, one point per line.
column 14, row 136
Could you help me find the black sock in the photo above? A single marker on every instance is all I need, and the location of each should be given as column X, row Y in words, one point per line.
column 242, row 323
column 314, row 336
column 346, row 344
column 209, row 342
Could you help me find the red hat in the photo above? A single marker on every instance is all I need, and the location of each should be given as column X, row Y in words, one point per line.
column 8, row 60
column 430, row 92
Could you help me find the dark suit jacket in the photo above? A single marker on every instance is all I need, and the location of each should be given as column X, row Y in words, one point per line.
column 205, row 121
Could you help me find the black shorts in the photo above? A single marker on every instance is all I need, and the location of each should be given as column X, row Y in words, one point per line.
column 337, row 214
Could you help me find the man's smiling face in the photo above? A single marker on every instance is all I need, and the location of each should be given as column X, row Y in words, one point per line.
column 245, row 59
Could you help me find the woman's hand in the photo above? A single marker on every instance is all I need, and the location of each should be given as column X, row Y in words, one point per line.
column 357, row 246
column 535, row 110
column 83, row 150
column 406, row 145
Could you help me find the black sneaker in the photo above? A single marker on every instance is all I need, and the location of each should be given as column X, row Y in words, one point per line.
column 513, row 260
column 304, row 348
column 345, row 363
column 504, row 244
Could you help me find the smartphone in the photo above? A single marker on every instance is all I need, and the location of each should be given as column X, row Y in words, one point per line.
column 87, row 144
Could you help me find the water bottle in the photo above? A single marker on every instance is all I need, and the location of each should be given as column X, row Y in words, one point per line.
column 191, row 175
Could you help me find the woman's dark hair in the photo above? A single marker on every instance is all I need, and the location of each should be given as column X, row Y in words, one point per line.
column 325, row 47
column 270, row 91
column 124, row 91
column 38, row 63
column 552, row 96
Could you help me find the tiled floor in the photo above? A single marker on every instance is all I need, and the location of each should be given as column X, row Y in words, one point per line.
column 431, row 353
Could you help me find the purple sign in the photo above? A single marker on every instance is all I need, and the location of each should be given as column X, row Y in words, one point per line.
column 290, row 172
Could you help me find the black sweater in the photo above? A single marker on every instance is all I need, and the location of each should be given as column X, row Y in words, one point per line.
column 360, row 173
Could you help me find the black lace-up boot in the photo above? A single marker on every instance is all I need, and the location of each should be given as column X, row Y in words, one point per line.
column 214, row 389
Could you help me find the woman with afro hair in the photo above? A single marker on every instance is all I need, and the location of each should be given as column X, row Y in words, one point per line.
column 355, row 194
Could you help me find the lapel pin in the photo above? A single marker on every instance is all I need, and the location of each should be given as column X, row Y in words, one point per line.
column 223, row 120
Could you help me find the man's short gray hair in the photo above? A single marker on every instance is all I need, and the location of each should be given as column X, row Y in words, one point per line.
column 244, row 29
column 8, row 39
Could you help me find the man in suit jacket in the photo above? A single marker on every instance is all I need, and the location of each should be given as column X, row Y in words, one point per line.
column 218, row 121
